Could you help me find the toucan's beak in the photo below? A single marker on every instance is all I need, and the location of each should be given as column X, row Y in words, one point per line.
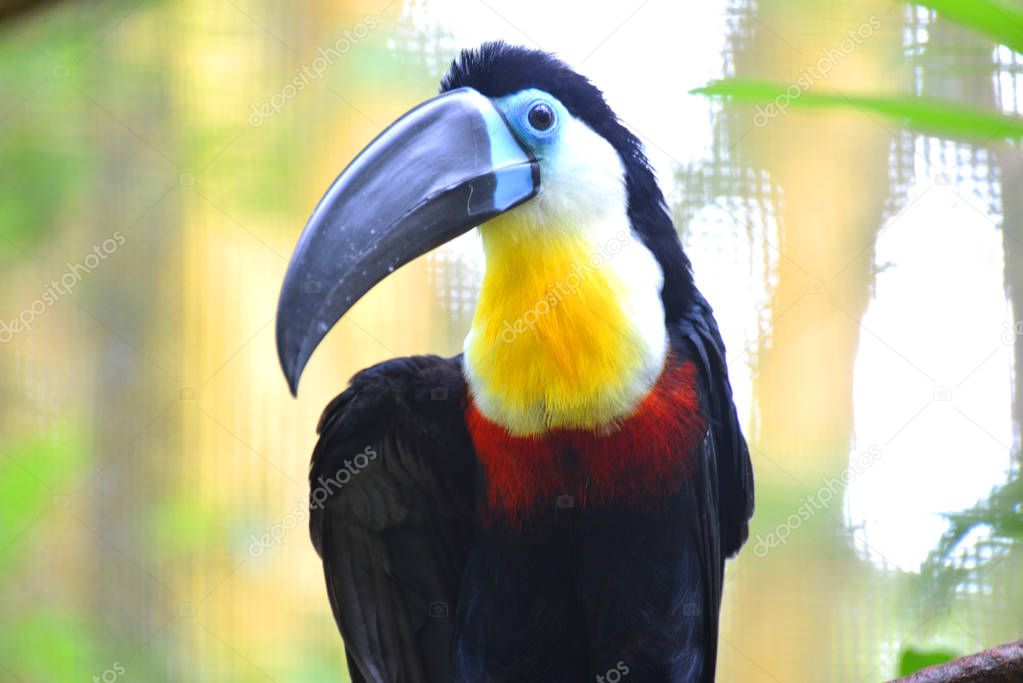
column 446, row 166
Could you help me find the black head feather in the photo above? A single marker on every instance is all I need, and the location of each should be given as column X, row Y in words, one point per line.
column 496, row 69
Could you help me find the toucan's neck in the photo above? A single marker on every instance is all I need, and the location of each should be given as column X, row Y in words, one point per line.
column 569, row 330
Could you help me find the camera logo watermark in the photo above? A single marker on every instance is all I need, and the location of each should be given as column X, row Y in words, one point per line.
column 307, row 73
column 63, row 286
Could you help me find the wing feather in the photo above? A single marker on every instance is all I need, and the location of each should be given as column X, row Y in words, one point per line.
column 720, row 487
column 734, row 471
column 392, row 527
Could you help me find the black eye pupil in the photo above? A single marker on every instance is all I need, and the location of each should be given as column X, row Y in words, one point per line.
column 541, row 117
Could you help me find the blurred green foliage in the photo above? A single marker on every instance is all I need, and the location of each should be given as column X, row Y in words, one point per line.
column 41, row 167
column 924, row 114
column 57, row 639
column 1000, row 22
column 27, row 473
column 49, row 647
column 912, row 659
column 998, row 520
column 47, row 177
column 1002, row 512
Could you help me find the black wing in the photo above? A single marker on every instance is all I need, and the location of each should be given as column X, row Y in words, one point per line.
column 731, row 455
column 392, row 524
column 720, row 487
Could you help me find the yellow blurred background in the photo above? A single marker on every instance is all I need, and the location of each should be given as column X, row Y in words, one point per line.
column 160, row 158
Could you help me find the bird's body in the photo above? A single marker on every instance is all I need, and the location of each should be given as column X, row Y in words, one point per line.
column 556, row 504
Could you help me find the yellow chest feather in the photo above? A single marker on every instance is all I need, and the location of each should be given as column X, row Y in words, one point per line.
column 567, row 333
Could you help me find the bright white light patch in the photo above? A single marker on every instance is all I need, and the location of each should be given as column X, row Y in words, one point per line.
column 931, row 390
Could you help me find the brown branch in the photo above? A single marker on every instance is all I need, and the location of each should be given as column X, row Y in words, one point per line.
column 1002, row 664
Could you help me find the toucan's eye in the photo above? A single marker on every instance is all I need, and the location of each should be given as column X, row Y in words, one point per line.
column 541, row 116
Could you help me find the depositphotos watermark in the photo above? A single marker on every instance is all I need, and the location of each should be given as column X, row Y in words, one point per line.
column 817, row 501
column 274, row 536
column 567, row 286
column 1011, row 332
column 63, row 286
column 615, row 673
column 110, row 675
column 314, row 70
column 810, row 74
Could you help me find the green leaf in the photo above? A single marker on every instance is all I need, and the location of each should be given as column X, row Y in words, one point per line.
column 1000, row 21
column 912, row 660
column 924, row 114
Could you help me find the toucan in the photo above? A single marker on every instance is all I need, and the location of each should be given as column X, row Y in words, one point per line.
column 556, row 503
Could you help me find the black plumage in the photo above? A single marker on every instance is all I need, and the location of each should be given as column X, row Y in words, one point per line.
column 396, row 538
column 394, row 535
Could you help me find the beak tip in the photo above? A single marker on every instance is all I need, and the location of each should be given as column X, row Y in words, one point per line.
column 292, row 385
column 292, row 375
column 291, row 363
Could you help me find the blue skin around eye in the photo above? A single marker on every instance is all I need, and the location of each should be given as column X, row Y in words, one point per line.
column 515, row 108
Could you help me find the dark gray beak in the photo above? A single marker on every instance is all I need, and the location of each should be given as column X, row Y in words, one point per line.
column 446, row 166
